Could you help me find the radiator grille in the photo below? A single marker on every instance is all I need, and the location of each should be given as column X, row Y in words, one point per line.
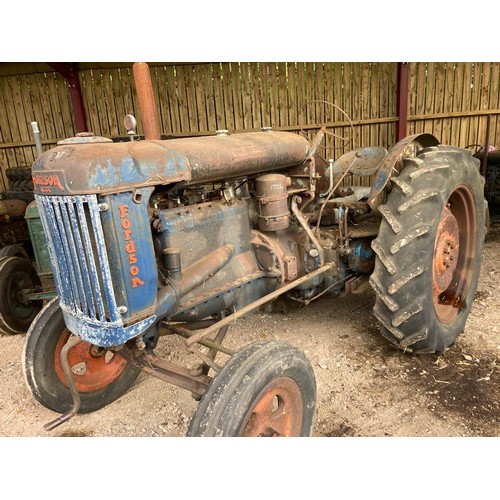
column 79, row 259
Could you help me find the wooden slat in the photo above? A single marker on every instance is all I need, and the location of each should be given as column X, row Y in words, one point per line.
column 494, row 103
column 282, row 91
column 365, row 101
column 374, row 102
column 237, row 102
column 292, row 92
column 273, row 83
column 254, row 77
column 173, row 99
column 7, row 157
column 246, row 96
column 17, row 157
column 484, row 103
column 165, row 100
column 448, row 101
column 183, row 101
column 265, row 99
column 457, row 103
column 228, row 96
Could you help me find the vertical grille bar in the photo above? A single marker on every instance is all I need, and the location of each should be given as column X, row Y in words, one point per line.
column 71, row 231
column 93, row 278
column 103, row 257
column 78, row 252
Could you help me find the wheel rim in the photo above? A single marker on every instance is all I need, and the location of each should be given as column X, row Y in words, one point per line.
column 454, row 252
column 92, row 368
column 278, row 411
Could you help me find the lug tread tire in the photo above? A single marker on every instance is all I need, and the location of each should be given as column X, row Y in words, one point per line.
column 404, row 248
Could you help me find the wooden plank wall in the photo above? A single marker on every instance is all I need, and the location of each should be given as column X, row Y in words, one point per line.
column 453, row 102
column 450, row 100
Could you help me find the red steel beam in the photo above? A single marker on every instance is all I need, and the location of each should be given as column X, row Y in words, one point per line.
column 403, row 81
column 70, row 72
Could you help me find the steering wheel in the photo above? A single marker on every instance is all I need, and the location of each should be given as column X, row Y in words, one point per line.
column 327, row 132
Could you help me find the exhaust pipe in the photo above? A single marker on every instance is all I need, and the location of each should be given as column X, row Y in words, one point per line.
column 147, row 106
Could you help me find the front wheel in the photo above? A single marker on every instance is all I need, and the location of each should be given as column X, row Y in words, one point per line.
column 429, row 250
column 266, row 389
column 101, row 376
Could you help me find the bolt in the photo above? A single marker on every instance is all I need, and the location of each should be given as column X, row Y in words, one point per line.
column 313, row 252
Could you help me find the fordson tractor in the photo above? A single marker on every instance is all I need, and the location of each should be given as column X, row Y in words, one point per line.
column 185, row 236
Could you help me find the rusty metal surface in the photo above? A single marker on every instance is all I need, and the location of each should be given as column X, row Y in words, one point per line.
column 277, row 412
column 362, row 161
column 145, row 95
column 272, row 195
column 454, row 253
column 168, row 372
column 446, row 252
column 95, row 167
column 257, row 303
column 241, row 155
column 394, row 156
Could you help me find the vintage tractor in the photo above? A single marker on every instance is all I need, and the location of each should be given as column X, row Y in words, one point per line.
column 184, row 236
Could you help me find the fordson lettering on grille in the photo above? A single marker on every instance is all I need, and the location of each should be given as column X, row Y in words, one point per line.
column 130, row 247
column 47, row 181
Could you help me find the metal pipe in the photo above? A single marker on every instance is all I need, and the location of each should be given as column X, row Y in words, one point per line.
column 184, row 332
column 192, row 277
column 72, row 342
column 307, row 229
column 38, row 140
column 256, row 304
column 145, row 95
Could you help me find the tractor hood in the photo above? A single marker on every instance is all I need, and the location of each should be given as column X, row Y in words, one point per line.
column 87, row 164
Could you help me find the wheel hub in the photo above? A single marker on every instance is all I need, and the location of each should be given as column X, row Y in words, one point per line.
column 92, row 368
column 446, row 251
column 277, row 412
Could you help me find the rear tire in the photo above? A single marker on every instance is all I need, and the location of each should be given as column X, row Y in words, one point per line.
column 429, row 250
column 266, row 389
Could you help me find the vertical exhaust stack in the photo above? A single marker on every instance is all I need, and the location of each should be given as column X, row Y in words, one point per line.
column 147, row 106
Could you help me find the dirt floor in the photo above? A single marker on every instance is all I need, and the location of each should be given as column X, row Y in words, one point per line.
column 365, row 386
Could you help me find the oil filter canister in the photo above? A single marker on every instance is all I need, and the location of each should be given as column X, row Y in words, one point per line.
column 272, row 195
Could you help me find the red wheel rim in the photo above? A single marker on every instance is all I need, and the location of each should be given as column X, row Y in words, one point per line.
column 277, row 412
column 454, row 254
column 92, row 368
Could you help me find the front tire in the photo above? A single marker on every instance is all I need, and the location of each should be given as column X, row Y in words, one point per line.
column 101, row 376
column 429, row 250
column 266, row 389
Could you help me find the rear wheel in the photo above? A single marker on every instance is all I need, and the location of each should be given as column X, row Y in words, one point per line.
column 100, row 376
column 429, row 250
column 17, row 278
column 266, row 389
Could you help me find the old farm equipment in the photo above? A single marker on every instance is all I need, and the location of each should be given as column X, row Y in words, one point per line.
column 185, row 236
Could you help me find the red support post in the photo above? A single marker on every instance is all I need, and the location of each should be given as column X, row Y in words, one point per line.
column 70, row 72
column 403, row 81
